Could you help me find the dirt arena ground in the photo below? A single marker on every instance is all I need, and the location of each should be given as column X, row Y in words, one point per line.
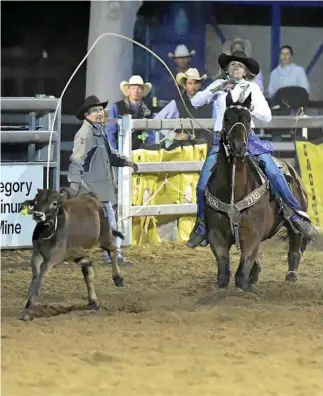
column 168, row 331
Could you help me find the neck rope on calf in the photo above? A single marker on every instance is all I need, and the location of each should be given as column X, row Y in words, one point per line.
column 54, row 230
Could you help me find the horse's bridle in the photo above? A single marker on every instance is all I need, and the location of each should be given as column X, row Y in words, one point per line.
column 227, row 134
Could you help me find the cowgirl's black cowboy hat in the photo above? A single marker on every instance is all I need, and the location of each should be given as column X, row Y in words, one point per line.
column 90, row 101
column 239, row 56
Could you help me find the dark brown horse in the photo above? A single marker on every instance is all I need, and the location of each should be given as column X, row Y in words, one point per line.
column 242, row 209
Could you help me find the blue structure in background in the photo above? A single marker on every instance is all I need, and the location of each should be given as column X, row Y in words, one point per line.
column 182, row 23
column 275, row 26
column 185, row 23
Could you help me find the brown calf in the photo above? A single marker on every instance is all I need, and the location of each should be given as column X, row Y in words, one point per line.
column 68, row 230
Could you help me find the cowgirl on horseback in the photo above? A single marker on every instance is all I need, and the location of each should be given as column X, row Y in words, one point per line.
column 239, row 70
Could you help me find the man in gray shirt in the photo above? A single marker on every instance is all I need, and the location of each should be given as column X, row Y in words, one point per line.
column 92, row 160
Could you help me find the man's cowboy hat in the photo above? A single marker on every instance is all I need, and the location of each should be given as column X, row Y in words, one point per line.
column 239, row 56
column 246, row 44
column 192, row 74
column 181, row 51
column 135, row 80
column 90, row 101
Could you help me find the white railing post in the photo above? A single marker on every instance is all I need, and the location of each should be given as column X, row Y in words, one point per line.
column 124, row 180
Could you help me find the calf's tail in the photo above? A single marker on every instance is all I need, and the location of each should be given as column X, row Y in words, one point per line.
column 117, row 233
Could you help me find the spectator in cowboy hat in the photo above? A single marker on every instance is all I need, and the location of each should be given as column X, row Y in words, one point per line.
column 134, row 91
column 238, row 44
column 182, row 58
column 166, row 88
column 191, row 82
column 92, row 160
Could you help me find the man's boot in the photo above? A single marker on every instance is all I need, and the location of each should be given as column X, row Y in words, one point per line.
column 198, row 235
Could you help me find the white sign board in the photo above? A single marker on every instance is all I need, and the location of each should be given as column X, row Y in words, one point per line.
column 18, row 183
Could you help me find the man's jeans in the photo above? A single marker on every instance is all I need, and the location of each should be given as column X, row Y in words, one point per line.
column 113, row 224
column 274, row 174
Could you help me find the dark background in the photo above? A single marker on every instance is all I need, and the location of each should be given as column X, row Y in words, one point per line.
column 61, row 28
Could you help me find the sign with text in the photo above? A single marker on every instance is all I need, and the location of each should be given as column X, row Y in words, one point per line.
column 18, row 183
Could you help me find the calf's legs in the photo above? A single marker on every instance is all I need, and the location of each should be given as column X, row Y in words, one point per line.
column 88, row 273
column 39, row 267
column 107, row 243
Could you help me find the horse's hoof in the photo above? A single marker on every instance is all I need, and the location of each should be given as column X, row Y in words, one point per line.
column 27, row 316
column 93, row 306
column 118, row 280
column 239, row 290
column 253, row 289
column 291, row 277
column 222, row 282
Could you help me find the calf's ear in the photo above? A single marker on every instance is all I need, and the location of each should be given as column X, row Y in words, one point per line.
column 64, row 193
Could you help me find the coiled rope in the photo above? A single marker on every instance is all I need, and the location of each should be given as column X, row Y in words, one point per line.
column 78, row 67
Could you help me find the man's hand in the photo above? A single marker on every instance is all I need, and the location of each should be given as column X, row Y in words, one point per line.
column 132, row 165
column 74, row 188
column 135, row 167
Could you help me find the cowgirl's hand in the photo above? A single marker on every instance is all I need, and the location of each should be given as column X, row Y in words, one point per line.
column 228, row 84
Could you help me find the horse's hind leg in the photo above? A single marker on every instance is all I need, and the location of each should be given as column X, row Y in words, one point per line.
column 296, row 245
column 88, row 273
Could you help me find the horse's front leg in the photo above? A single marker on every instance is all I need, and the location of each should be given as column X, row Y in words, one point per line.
column 248, row 258
column 220, row 247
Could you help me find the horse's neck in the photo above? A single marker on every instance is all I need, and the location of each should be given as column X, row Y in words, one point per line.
column 245, row 181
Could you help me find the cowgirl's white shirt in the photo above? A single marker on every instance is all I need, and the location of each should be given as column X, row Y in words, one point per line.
column 259, row 105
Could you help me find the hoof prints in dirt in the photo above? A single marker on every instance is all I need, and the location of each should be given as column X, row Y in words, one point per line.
column 134, row 307
column 48, row 311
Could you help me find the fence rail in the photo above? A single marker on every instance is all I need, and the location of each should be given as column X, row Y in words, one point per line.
column 279, row 122
column 27, row 136
column 27, row 104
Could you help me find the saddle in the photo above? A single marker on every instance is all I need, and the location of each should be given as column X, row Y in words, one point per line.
column 282, row 165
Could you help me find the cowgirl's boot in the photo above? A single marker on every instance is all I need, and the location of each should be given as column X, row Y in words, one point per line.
column 302, row 223
column 198, row 236
column 298, row 219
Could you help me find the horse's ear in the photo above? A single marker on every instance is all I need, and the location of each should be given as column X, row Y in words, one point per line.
column 247, row 102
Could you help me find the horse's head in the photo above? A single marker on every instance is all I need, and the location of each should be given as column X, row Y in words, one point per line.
column 236, row 126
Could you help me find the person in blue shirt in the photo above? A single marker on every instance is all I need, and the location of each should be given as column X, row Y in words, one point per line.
column 287, row 74
column 134, row 91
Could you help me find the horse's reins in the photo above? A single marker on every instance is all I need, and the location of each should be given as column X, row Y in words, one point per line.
column 78, row 67
column 233, row 224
